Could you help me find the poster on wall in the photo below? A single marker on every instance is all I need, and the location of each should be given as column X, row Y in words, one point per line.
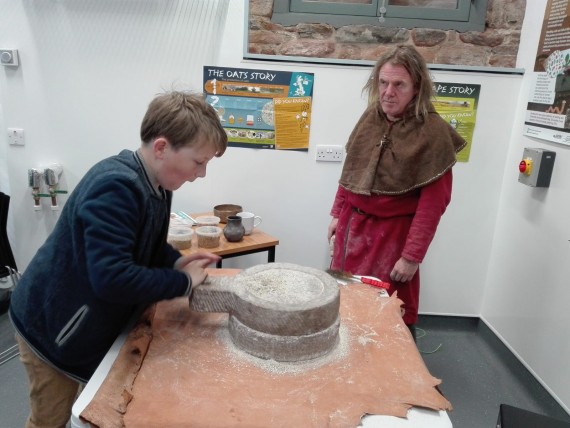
column 261, row 109
column 457, row 103
column 548, row 109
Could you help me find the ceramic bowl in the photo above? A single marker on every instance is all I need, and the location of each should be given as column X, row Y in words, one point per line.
column 225, row 210
column 208, row 236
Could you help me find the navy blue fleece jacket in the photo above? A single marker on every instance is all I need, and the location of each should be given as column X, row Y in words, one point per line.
column 106, row 255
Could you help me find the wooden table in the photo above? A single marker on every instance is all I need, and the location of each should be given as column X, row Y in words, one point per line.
column 257, row 242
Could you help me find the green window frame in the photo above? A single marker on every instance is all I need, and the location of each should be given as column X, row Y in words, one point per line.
column 469, row 15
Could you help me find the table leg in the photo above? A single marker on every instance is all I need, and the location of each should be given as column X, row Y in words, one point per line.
column 270, row 255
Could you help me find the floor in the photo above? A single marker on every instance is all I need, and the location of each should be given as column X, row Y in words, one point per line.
column 13, row 381
column 478, row 373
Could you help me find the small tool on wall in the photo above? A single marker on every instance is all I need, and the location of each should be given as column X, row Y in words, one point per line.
column 50, row 176
column 34, row 181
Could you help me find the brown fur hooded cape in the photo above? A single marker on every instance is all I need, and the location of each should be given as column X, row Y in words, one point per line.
column 392, row 158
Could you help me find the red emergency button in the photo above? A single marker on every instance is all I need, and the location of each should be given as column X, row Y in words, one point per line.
column 525, row 167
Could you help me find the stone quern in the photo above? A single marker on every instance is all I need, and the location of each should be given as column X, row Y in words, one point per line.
column 278, row 311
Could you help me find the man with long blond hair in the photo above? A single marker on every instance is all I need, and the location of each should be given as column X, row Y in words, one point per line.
column 396, row 180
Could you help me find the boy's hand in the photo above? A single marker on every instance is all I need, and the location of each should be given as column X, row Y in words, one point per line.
column 195, row 265
column 184, row 260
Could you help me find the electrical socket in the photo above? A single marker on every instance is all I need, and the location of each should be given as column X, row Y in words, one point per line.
column 16, row 137
column 330, row 153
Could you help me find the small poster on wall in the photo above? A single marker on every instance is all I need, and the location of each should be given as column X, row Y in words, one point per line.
column 261, row 109
column 456, row 103
column 548, row 109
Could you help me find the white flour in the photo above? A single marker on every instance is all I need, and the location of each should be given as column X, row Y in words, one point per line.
column 284, row 286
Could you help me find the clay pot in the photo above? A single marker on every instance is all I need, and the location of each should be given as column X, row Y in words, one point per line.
column 234, row 229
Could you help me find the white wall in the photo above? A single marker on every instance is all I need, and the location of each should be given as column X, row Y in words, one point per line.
column 527, row 287
column 89, row 68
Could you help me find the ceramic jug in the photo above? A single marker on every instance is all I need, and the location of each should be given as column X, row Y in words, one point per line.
column 234, row 229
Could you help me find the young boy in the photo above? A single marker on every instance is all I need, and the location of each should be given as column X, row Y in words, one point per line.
column 108, row 254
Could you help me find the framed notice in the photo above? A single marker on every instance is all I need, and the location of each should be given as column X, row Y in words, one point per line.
column 261, row 109
column 548, row 108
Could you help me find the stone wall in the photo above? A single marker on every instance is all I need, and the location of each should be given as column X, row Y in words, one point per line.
column 497, row 46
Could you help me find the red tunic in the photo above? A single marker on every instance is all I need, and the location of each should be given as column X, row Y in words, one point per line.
column 374, row 231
